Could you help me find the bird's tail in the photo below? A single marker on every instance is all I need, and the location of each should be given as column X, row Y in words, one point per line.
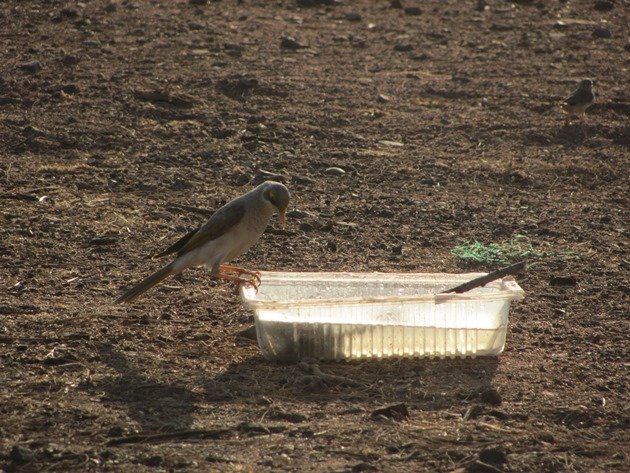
column 146, row 284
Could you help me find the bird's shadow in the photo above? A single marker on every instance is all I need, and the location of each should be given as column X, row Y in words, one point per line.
column 156, row 405
column 574, row 134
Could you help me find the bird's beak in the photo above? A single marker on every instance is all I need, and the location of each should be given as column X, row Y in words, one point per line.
column 282, row 217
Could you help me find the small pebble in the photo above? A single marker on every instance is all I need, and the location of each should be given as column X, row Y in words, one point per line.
column 358, row 42
column 499, row 414
column 343, row 224
column 297, row 214
column 334, row 171
column 270, row 176
column 21, row 454
column 70, row 60
column 602, row 32
column 396, row 144
column 363, row 466
column 33, row 67
column 403, row 47
column 312, row 3
column 155, row 460
column 420, row 57
column 181, row 185
column 396, row 412
column 104, row 240
column 31, row 130
column 352, row 16
column 69, row 13
column 493, row 455
column 563, row 281
column 253, row 428
column 287, row 42
column 297, row 179
column 115, row 431
column 473, row 412
column 546, row 437
column 69, row 89
column 383, row 98
column 603, row 5
column 234, row 49
column 491, row 396
column 241, row 179
column 294, row 417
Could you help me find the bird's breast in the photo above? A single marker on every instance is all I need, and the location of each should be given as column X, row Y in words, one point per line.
column 248, row 231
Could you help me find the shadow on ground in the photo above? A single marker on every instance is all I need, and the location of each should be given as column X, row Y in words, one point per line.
column 154, row 404
column 168, row 406
column 429, row 384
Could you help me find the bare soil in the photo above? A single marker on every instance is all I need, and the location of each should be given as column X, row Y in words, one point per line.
column 119, row 118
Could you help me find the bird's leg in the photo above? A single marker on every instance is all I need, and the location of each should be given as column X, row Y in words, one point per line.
column 240, row 271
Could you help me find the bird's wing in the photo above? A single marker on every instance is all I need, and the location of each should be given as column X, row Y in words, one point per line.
column 178, row 245
column 570, row 99
column 578, row 97
column 219, row 224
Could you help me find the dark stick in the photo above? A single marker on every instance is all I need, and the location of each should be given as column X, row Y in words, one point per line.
column 18, row 196
column 483, row 280
column 189, row 208
column 185, row 434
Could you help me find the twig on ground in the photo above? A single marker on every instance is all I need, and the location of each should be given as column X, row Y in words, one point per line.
column 189, row 208
column 331, row 379
column 184, row 434
column 18, row 196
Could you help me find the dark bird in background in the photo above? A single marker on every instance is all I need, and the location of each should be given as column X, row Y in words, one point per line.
column 576, row 104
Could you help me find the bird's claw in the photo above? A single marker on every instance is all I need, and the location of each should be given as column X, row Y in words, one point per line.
column 240, row 271
column 252, row 283
column 244, row 282
column 235, row 274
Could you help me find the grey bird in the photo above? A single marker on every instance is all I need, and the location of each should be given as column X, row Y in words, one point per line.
column 229, row 233
column 575, row 105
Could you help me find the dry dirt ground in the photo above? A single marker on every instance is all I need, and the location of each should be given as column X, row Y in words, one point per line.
column 119, row 118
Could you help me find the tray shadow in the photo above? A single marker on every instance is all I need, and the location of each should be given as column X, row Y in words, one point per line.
column 430, row 384
column 163, row 406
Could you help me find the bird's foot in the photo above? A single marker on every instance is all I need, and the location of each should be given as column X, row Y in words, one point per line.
column 254, row 275
column 235, row 274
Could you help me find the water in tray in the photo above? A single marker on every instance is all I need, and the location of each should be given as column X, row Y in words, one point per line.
column 291, row 341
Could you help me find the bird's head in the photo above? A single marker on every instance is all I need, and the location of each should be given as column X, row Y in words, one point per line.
column 277, row 195
column 586, row 84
